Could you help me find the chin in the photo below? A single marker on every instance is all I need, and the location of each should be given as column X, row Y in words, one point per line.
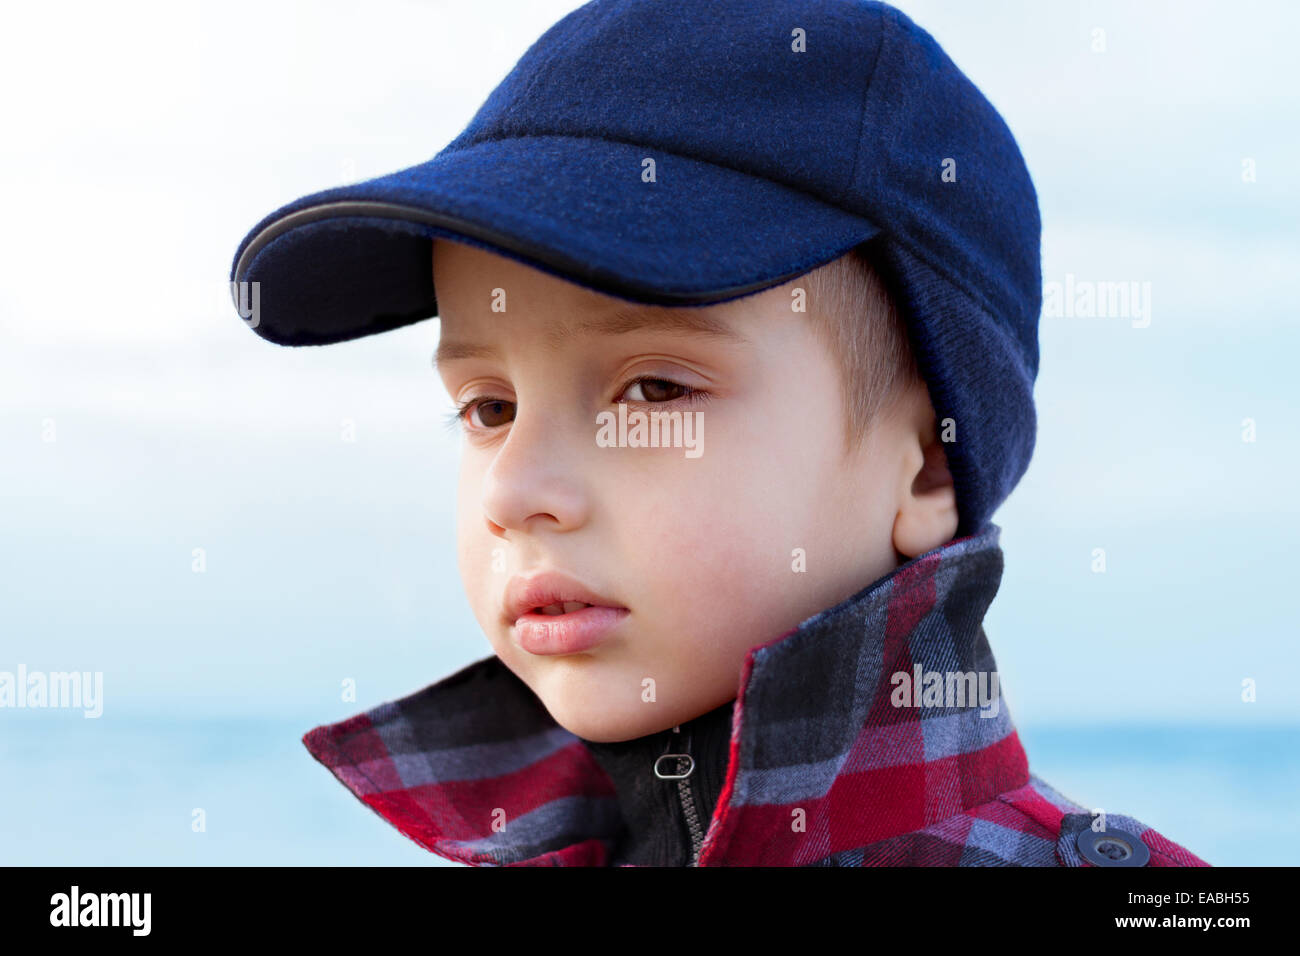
column 604, row 724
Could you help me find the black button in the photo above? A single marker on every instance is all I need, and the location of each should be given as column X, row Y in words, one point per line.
column 1112, row 848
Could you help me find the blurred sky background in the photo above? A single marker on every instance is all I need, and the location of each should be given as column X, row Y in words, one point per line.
column 142, row 141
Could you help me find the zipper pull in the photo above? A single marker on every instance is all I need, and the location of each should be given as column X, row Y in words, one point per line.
column 667, row 754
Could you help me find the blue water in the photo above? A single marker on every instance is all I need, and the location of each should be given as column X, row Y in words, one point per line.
column 121, row 791
column 1231, row 795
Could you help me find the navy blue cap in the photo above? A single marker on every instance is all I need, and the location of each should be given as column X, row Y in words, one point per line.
column 783, row 133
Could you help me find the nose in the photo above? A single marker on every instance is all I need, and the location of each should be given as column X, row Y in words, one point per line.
column 536, row 478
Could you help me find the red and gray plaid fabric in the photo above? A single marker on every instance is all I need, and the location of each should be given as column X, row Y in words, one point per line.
column 828, row 766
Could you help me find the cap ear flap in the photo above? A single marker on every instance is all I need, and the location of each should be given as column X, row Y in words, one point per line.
column 979, row 368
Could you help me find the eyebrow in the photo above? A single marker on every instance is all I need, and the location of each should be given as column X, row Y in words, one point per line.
column 686, row 319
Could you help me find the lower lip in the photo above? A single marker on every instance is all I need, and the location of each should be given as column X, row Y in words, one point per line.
column 571, row 633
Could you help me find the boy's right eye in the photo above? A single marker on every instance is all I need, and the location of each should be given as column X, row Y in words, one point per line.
column 493, row 412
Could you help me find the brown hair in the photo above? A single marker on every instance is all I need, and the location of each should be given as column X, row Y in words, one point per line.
column 856, row 318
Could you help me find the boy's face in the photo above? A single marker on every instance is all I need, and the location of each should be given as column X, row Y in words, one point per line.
column 710, row 555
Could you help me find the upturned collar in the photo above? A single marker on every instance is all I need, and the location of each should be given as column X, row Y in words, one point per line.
column 876, row 717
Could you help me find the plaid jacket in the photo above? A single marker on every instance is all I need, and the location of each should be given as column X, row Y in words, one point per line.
column 851, row 745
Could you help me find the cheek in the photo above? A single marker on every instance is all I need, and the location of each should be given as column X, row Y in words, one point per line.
column 717, row 540
column 713, row 552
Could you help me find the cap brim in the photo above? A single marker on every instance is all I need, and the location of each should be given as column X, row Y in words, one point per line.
column 356, row 260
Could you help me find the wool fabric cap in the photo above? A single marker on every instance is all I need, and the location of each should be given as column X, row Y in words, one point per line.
column 690, row 152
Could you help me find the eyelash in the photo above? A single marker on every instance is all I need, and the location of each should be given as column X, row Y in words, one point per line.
column 455, row 419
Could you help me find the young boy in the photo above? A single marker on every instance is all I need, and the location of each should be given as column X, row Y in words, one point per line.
column 757, row 642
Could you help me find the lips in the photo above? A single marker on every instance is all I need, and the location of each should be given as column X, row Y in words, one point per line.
column 554, row 614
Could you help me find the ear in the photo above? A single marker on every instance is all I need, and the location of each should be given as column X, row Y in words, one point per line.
column 927, row 499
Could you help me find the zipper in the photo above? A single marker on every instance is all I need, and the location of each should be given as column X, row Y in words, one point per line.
column 684, row 790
